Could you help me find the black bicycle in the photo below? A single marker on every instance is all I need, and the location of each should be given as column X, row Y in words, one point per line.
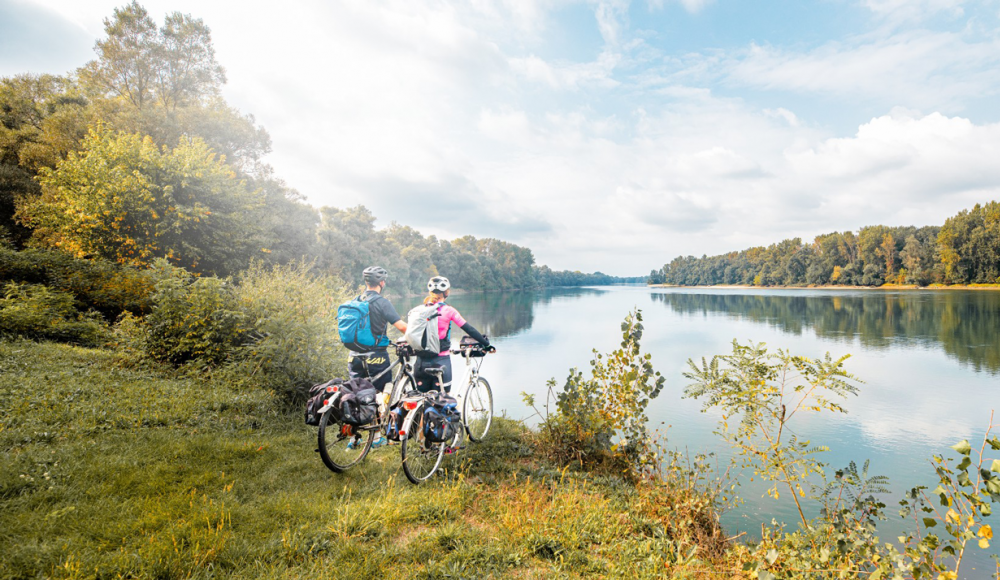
column 341, row 445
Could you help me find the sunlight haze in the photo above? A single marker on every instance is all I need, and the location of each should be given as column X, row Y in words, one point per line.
column 607, row 135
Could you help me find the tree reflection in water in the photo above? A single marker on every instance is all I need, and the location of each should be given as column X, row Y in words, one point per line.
column 501, row 314
column 966, row 324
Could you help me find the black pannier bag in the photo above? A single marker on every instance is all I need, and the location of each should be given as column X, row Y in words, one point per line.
column 318, row 394
column 358, row 402
column 442, row 420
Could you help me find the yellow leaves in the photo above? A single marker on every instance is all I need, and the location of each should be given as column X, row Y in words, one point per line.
column 986, row 532
column 952, row 517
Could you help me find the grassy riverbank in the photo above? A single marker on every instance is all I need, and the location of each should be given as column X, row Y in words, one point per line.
column 135, row 472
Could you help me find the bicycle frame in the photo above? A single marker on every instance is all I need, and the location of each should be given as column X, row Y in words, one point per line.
column 471, row 374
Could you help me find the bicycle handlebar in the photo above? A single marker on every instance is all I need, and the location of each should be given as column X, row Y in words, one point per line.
column 484, row 349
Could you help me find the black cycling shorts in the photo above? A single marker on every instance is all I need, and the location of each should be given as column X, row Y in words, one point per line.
column 370, row 365
column 426, row 382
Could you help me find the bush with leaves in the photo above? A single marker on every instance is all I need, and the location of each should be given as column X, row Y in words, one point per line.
column 292, row 340
column 766, row 391
column 761, row 393
column 194, row 320
column 39, row 312
column 601, row 420
column 106, row 287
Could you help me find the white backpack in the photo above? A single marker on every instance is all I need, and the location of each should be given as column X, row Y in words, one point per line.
column 422, row 330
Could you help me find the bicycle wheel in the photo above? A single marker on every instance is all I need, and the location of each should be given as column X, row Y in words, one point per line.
column 477, row 410
column 421, row 458
column 406, row 384
column 341, row 445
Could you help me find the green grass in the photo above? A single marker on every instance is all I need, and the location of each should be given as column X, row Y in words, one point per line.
column 111, row 472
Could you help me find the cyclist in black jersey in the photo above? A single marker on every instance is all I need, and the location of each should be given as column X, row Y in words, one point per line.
column 382, row 313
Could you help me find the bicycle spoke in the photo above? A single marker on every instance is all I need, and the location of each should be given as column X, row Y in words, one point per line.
column 421, row 458
column 342, row 446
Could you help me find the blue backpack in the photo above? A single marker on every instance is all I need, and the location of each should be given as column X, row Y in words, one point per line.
column 355, row 326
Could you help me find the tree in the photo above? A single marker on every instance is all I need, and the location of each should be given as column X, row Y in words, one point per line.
column 123, row 198
column 42, row 117
column 887, row 249
column 171, row 65
column 127, row 57
column 186, row 69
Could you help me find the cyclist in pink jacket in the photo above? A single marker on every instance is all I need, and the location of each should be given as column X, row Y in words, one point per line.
column 439, row 288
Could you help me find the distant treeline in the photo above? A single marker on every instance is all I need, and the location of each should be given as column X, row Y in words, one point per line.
column 965, row 250
column 136, row 156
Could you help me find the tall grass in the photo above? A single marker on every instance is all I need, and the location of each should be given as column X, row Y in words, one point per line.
column 112, row 472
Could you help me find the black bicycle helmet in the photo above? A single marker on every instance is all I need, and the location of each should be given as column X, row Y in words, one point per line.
column 374, row 274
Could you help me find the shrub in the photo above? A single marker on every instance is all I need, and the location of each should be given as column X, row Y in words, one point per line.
column 193, row 319
column 36, row 311
column 600, row 421
column 292, row 341
column 758, row 394
column 271, row 327
column 96, row 284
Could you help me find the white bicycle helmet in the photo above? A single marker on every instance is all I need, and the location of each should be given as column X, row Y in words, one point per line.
column 438, row 284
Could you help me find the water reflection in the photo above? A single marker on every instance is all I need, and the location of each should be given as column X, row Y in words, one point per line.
column 503, row 314
column 966, row 325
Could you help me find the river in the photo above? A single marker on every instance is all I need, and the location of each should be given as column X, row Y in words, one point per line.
column 930, row 362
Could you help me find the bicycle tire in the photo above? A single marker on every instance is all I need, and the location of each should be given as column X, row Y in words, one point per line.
column 420, row 457
column 335, row 439
column 403, row 388
column 477, row 410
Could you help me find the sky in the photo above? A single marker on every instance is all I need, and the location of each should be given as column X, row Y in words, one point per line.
column 605, row 135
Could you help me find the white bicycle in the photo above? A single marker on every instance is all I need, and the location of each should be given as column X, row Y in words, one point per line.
column 422, row 457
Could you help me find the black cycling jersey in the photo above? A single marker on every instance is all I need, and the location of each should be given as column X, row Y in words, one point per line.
column 381, row 312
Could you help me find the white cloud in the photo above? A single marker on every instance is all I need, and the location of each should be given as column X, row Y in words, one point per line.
column 903, row 10
column 571, row 76
column 692, row 6
column 597, row 163
column 919, row 69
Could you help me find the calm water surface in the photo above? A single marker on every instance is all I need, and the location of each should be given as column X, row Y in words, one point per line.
column 930, row 362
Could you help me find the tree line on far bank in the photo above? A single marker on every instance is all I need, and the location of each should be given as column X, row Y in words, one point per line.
column 965, row 250
column 136, row 156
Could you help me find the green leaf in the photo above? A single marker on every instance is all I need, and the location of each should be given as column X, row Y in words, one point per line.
column 771, row 556
column 995, row 468
column 929, row 522
column 764, row 575
column 962, row 447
